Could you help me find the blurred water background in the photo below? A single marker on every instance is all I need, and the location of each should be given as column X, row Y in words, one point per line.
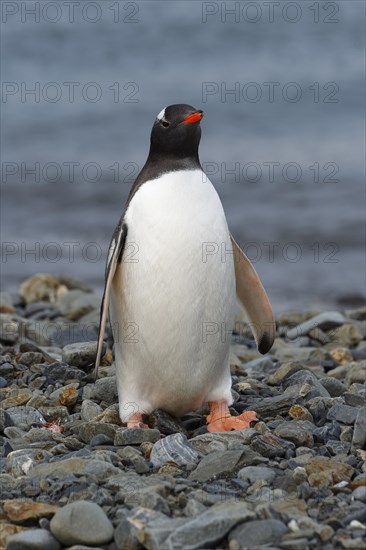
column 297, row 114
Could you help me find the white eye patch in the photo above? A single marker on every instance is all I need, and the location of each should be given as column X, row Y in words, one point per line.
column 161, row 115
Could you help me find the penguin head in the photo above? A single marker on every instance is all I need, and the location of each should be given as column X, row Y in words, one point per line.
column 176, row 131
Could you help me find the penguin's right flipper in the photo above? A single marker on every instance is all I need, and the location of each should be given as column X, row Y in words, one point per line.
column 254, row 299
column 114, row 257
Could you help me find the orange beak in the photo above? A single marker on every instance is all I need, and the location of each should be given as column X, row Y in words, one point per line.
column 194, row 117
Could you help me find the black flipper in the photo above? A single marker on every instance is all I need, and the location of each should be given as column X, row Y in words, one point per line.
column 115, row 252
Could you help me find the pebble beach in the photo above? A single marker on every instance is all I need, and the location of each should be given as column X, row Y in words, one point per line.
column 73, row 477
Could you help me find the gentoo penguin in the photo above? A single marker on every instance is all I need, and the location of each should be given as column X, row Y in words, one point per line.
column 172, row 273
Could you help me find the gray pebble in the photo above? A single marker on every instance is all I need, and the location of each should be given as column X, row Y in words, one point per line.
column 292, row 353
column 360, row 493
column 76, row 303
column 125, row 536
column 346, row 434
column 25, row 415
column 126, row 483
column 5, row 420
column 221, row 463
column 33, row 539
column 61, row 372
column 218, row 441
column 207, row 529
column 307, row 377
column 299, row 432
column 261, row 364
column 354, row 399
column 271, row 446
column 135, row 436
column 334, row 386
column 30, row 357
column 174, row 448
column 342, row 413
column 297, row 543
column 105, row 389
column 257, row 473
column 148, row 498
column 20, row 462
column 54, row 413
column 193, row 508
column 132, row 456
column 8, row 300
column 80, row 354
column 285, row 371
column 101, row 439
column 81, row 522
column 359, row 431
column 44, row 523
column 338, row 447
column 88, row 430
column 129, row 454
column 6, row 369
column 75, row 466
column 154, row 527
column 270, row 406
column 299, row 475
column 325, row 321
column 89, row 410
column 318, row 408
column 257, row 533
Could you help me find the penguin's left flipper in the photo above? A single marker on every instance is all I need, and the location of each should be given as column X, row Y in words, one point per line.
column 252, row 296
column 115, row 253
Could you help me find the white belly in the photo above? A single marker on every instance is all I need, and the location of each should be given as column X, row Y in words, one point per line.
column 173, row 297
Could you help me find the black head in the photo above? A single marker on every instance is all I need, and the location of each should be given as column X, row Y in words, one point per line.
column 176, row 132
column 174, row 144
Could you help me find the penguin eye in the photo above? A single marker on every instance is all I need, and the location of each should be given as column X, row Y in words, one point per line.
column 165, row 123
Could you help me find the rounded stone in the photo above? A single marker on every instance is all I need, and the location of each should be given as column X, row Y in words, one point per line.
column 297, row 431
column 360, row 493
column 334, row 387
column 81, row 522
column 254, row 534
column 90, row 410
column 25, row 415
column 79, row 354
column 257, row 473
column 101, row 439
column 33, row 539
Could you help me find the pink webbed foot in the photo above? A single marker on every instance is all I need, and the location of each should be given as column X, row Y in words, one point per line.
column 135, row 421
column 220, row 419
